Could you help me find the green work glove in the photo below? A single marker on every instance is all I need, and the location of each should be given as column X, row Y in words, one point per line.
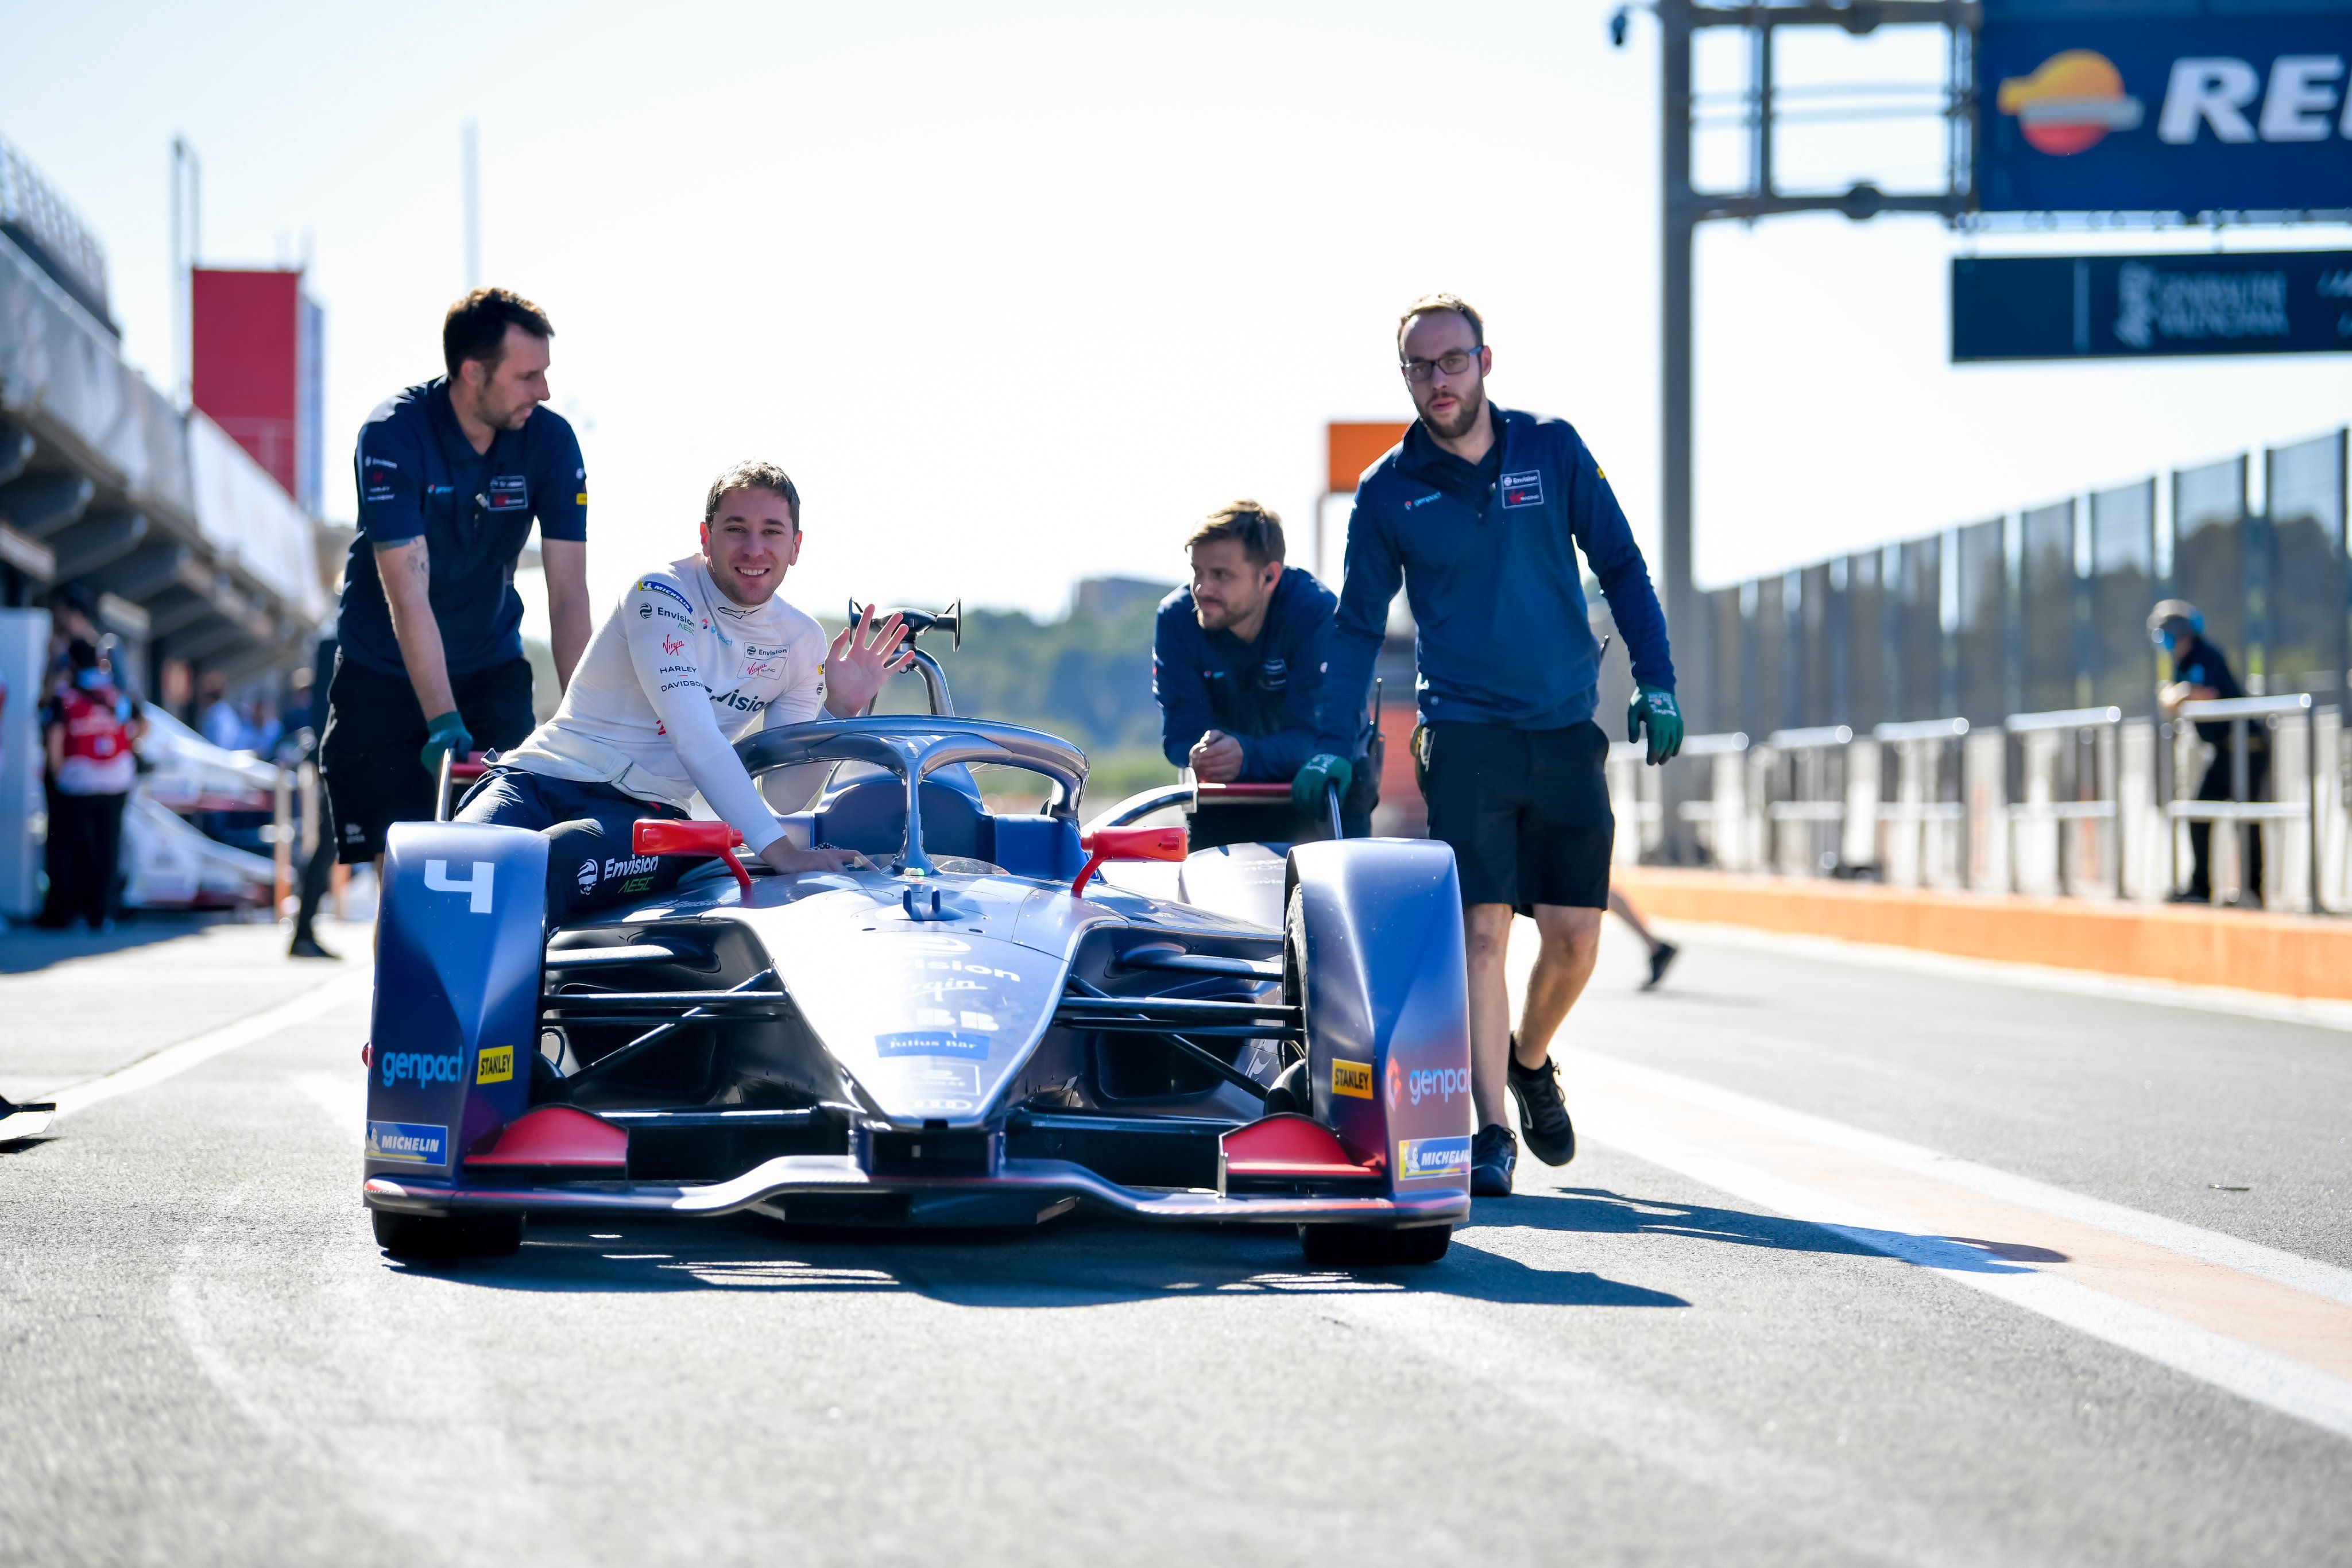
column 1654, row 706
column 446, row 733
column 1323, row 771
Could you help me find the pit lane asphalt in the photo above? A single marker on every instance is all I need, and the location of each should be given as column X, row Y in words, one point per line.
column 206, row 1360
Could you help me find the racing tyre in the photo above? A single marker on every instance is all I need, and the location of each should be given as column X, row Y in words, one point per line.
column 448, row 1235
column 1373, row 1246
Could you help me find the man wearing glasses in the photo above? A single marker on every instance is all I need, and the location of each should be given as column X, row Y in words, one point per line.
column 451, row 473
column 1478, row 514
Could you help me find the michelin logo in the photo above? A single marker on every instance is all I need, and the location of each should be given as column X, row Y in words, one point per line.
column 654, row 585
column 412, row 1142
column 1432, row 1159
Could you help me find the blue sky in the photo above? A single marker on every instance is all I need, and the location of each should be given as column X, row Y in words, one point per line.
column 1017, row 293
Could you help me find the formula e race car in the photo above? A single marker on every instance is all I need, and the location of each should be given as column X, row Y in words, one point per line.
column 981, row 1031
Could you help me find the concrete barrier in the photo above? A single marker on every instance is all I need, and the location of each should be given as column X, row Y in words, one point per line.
column 2285, row 955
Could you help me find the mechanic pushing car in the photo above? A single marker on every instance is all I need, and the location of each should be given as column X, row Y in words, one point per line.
column 1237, row 666
column 451, row 473
column 694, row 653
column 1478, row 514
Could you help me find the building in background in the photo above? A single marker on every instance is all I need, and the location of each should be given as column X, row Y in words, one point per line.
column 256, row 362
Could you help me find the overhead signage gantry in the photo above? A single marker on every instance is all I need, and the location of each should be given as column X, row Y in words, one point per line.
column 2056, row 113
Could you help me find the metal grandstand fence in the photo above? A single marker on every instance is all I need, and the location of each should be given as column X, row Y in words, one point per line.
column 1975, row 708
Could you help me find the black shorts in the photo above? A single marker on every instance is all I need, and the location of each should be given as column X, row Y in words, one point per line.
column 1527, row 810
column 591, row 860
column 368, row 755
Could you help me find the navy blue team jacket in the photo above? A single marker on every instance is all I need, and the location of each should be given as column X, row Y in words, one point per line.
column 1263, row 694
column 1489, row 567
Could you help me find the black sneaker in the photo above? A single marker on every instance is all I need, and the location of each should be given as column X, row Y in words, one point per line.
column 1543, row 1113
column 306, row 946
column 1661, row 958
column 1494, row 1156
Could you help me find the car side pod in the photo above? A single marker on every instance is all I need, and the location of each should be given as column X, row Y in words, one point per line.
column 1127, row 844
column 460, row 933
column 671, row 836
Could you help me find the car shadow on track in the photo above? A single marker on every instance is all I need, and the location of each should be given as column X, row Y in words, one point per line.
column 1077, row 1261
column 27, row 949
column 1085, row 1260
column 1598, row 1210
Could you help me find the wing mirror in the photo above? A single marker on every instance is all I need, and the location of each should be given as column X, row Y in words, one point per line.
column 669, row 836
column 1127, row 844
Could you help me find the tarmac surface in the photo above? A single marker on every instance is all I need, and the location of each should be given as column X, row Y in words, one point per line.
column 1863, row 1261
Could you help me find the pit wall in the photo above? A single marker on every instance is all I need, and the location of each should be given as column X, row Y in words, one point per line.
column 2282, row 954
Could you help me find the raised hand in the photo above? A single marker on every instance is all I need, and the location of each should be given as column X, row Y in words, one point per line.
column 855, row 668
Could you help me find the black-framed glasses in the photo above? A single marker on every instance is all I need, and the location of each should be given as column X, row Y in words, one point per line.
column 1452, row 364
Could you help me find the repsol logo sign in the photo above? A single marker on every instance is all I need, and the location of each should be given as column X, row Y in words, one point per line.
column 1442, row 1083
column 419, row 1066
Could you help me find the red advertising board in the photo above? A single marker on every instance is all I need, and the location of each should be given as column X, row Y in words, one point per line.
column 247, row 328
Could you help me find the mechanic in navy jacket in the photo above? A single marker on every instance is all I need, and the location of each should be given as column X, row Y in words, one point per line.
column 1478, row 514
column 1237, row 665
column 451, row 474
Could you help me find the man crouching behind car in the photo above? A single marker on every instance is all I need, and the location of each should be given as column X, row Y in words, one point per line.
column 694, row 653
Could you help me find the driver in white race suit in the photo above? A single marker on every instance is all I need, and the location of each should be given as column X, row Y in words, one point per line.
column 695, row 653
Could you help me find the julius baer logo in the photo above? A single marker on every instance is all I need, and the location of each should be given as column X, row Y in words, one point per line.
column 2075, row 100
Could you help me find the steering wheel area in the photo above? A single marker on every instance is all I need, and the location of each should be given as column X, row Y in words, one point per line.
column 912, row 746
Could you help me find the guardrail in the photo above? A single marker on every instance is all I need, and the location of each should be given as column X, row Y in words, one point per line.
column 1823, row 798
column 1809, row 764
column 2094, row 808
column 1919, row 803
column 2240, row 713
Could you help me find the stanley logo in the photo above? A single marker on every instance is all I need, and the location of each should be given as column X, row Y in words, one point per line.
column 1354, row 1079
column 495, row 1065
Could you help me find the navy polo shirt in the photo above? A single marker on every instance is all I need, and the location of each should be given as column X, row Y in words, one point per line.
column 1264, row 692
column 1487, row 556
column 420, row 477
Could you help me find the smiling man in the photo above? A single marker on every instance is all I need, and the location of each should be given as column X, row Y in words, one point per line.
column 694, row 653
column 1478, row 514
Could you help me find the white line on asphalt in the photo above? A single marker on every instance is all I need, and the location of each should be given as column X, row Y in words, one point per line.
column 2283, row 1385
column 174, row 1060
column 2275, row 1380
column 2314, row 1011
column 2230, row 1251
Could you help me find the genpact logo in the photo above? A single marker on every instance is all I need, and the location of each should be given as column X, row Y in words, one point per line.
column 419, row 1066
column 1444, row 1082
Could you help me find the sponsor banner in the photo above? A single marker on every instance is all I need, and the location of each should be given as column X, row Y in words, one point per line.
column 2151, row 306
column 411, row 1142
column 2234, row 112
column 1433, row 1159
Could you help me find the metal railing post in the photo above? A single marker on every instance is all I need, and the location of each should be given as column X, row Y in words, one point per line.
column 2249, row 815
column 2075, row 722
